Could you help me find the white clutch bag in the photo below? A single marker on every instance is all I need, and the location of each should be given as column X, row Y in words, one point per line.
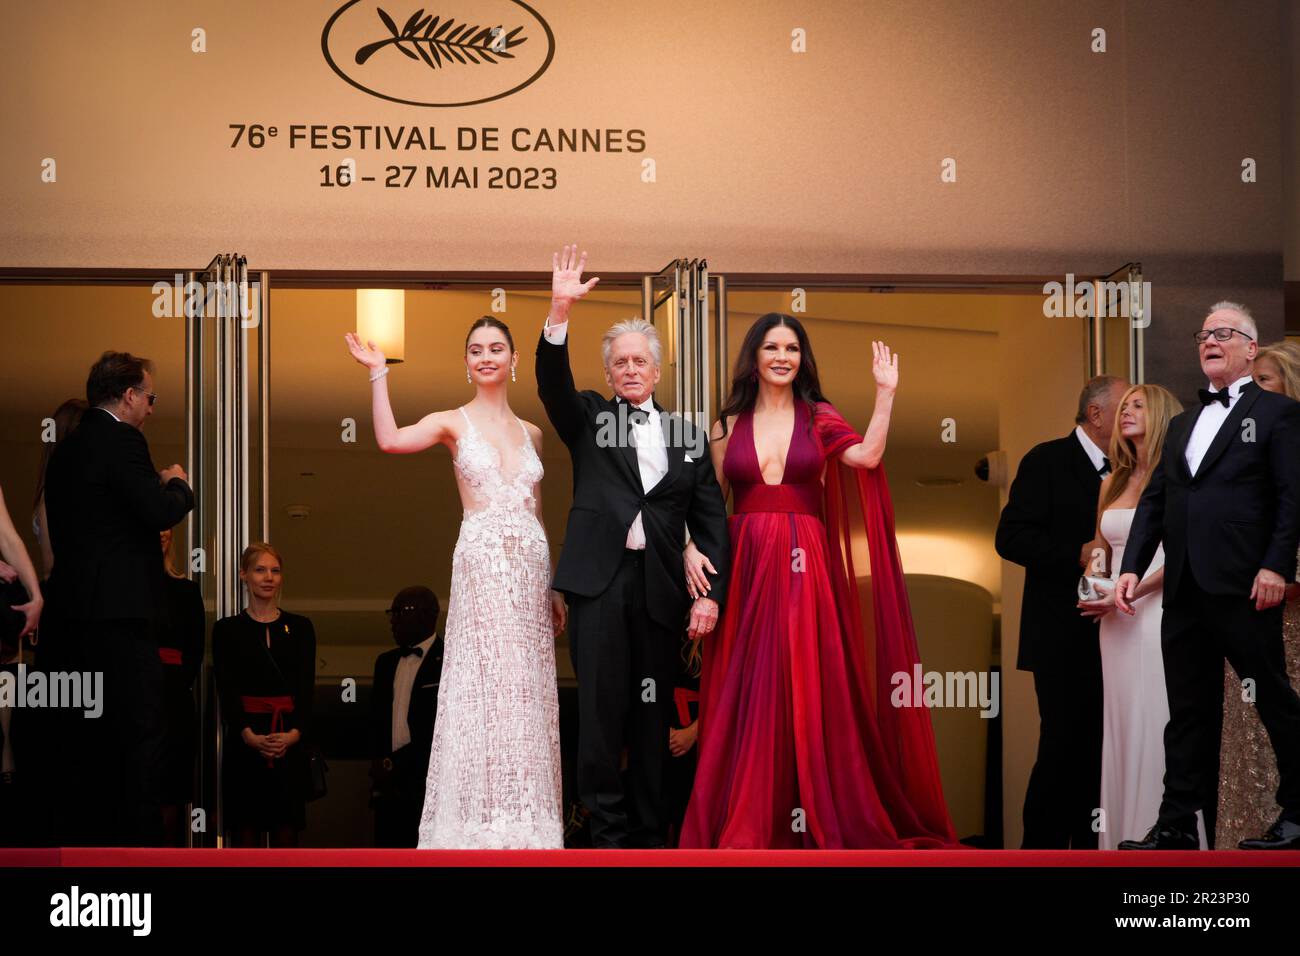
column 1088, row 587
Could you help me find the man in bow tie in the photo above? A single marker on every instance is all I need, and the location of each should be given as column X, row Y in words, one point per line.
column 640, row 477
column 1225, row 501
column 403, row 705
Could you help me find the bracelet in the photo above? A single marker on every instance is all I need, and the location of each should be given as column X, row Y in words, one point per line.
column 380, row 374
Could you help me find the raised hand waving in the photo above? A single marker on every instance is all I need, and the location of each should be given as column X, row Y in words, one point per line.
column 566, row 278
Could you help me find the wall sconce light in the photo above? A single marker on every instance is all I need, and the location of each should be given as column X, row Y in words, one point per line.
column 381, row 318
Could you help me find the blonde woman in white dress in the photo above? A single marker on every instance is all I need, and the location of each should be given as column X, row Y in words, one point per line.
column 494, row 767
column 1135, row 704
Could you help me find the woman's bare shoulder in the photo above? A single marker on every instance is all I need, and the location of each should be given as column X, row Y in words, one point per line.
column 534, row 432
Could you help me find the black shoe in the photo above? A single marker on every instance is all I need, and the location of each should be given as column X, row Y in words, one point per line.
column 1282, row 835
column 1161, row 837
column 577, row 833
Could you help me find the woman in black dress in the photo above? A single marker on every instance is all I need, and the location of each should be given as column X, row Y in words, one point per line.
column 180, row 646
column 265, row 663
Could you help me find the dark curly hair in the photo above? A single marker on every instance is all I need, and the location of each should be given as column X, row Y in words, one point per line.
column 744, row 378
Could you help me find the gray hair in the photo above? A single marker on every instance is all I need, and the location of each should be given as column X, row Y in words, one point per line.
column 1242, row 312
column 631, row 325
column 1092, row 392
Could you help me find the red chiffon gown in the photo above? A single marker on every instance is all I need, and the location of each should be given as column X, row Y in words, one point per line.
column 800, row 746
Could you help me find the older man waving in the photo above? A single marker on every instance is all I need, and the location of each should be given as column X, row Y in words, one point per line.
column 640, row 476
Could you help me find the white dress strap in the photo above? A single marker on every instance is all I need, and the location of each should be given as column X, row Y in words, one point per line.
column 465, row 415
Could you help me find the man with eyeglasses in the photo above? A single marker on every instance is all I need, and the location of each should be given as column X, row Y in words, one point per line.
column 106, row 506
column 1225, row 501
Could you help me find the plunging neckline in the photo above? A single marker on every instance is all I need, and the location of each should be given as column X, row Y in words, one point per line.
column 521, row 449
column 753, row 441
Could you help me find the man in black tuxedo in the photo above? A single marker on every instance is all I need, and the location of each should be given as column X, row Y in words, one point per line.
column 403, row 705
column 106, row 506
column 1225, row 501
column 640, row 477
column 1048, row 526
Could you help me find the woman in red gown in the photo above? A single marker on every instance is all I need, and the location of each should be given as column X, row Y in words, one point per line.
column 800, row 746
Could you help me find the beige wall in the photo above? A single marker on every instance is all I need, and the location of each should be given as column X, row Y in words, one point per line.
column 767, row 160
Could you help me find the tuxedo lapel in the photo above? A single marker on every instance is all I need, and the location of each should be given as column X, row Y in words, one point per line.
column 676, row 450
column 430, row 667
column 1175, row 450
column 1231, row 427
column 623, row 431
column 1081, row 467
column 387, row 671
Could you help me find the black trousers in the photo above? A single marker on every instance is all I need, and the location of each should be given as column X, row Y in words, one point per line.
column 1065, row 784
column 1198, row 630
column 117, row 768
column 626, row 665
column 400, row 800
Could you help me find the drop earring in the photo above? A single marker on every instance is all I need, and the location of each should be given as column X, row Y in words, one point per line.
column 467, row 378
column 512, row 374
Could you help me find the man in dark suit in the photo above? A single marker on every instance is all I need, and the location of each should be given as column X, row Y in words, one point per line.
column 640, row 477
column 106, row 506
column 404, row 703
column 1225, row 501
column 1048, row 526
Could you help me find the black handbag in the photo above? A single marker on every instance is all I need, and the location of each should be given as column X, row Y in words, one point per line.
column 316, row 785
column 316, row 770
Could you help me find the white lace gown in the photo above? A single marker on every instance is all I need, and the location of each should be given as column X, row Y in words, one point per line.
column 1135, row 703
column 494, row 768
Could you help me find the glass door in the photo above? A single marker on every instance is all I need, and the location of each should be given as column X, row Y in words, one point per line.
column 1121, row 311
column 688, row 308
column 226, row 412
column 665, row 297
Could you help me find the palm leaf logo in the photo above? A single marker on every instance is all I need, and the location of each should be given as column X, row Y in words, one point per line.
column 441, row 42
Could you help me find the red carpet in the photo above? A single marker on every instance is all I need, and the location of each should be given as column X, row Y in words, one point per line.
column 117, row 857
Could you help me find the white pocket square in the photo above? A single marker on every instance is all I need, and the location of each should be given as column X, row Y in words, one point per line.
column 689, row 458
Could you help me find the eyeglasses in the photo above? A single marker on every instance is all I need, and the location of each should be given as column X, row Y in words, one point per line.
column 152, row 397
column 1221, row 334
column 404, row 609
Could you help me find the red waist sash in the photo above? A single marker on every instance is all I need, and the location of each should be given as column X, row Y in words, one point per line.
column 683, row 697
column 277, row 707
column 803, row 498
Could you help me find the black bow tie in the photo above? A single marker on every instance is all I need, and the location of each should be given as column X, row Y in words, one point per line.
column 1104, row 470
column 406, row 651
column 1207, row 397
column 637, row 416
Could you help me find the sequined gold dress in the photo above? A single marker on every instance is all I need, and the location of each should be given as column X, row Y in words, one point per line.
column 1248, row 778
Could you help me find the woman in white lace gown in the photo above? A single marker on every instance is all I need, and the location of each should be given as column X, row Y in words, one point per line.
column 494, row 768
column 1135, row 704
